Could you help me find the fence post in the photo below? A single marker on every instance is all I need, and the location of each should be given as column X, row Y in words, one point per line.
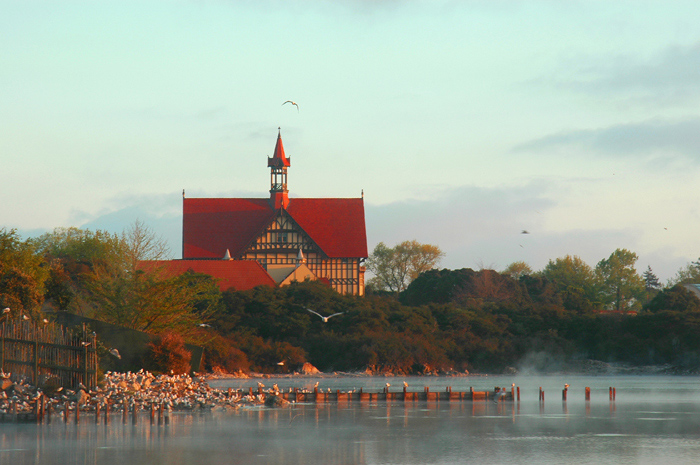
column 3, row 347
column 36, row 360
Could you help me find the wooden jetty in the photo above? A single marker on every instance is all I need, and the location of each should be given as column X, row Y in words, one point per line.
column 426, row 395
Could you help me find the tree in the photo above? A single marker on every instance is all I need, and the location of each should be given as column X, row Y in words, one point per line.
column 674, row 299
column 690, row 274
column 652, row 286
column 622, row 288
column 149, row 299
column 22, row 274
column 395, row 268
column 517, row 269
column 575, row 281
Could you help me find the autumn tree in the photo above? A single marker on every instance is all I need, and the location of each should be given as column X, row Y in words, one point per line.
column 621, row 286
column 517, row 269
column 395, row 268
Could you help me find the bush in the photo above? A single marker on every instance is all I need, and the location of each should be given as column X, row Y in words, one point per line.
column 168, row 354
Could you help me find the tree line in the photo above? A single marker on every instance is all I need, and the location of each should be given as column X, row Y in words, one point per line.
column 434, row 320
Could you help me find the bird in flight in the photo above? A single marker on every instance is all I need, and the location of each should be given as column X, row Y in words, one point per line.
column 6, row 310
column 525, row 231
column 116, row 353
column 324, row 318
column 293, row 103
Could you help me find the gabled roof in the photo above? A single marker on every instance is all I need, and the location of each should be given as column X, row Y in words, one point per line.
column 337, row 226
column 238, row 274
column 211, row 226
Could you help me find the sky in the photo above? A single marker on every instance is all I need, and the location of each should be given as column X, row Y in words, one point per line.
column 463, row 122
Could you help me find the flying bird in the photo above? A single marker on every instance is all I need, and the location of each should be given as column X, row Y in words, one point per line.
column 116, row 353
column 84, row 343
column 324, row 318
column 6, row 310
column 525, row 231
column 204, row 325
column 280, row 363
column 293, row 103
column 25, row 317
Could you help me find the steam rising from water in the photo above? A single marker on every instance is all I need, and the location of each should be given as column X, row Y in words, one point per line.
column 653, row 420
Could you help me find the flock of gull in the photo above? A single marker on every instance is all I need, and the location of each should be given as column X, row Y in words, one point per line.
column 132, row 391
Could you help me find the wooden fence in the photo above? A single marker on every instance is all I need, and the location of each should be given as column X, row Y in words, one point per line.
column 39, row 351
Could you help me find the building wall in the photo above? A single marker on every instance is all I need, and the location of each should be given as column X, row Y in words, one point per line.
column 280, row 244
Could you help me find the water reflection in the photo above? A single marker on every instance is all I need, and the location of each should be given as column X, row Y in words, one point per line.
column 653, row 420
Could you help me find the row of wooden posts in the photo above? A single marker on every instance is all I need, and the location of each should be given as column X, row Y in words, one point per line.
column 40, row 351
column 501, row 394
column 43, row 410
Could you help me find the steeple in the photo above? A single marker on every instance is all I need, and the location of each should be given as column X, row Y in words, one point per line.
column 278, row 165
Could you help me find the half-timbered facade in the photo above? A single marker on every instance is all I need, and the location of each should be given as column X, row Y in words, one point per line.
column 327, row 235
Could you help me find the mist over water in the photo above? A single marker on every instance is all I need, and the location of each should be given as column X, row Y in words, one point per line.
column 655, row 419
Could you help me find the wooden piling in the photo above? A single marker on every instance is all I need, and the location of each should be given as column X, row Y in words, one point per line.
column 135, row 414
column 106, row 413
column 66, row 407
column 518, row 391
column 125, row 411
column 564, row 394
column 588, row 394
column 97, row 413
column 77, row 413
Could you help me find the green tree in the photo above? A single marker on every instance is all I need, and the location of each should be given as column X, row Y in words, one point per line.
column 575, row 281
column 674, row 299
column 395, row 268
column 22, row 274
column 621, row 287
column 690, row 274
column 149, row 298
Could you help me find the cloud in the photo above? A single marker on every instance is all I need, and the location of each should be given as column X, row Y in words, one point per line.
column 671, row 77
column 624, row 140
column 481, row 227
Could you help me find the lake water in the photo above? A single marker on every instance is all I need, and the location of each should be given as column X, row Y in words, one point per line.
column 655, row 419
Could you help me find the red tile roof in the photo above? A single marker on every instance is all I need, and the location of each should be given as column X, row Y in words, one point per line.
column 238, row 274
column 211, row 226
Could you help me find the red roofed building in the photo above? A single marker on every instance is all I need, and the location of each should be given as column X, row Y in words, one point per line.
column 278, row 232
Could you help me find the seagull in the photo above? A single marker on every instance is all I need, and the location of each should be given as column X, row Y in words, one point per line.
column 324, row 318
column 204, row 325
column 45, row 321
column 280, row 363
column 405, row 384
column 293, row 103
column 388, row 385
column 525, row 231
column 25, row 317
column 116, row 353
column 6, row 310
column 84, row 343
